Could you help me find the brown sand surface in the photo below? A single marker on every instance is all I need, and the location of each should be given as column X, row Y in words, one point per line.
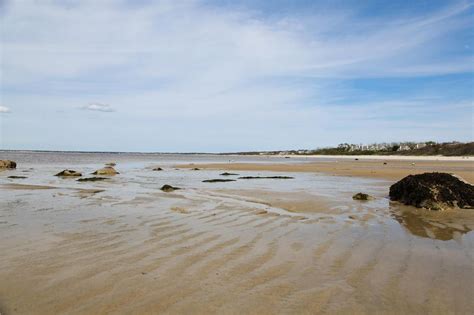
column 258, row 247
column 393, row 170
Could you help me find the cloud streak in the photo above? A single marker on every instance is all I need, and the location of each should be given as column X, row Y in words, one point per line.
column 4, row 110
column 98, row 107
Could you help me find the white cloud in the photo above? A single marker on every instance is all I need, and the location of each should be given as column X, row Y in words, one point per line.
column 4, row 110
column 98, row 107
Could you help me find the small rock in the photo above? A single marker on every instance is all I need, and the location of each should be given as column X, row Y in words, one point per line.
column 68, row 173
column 17, row 177
column 157, row 169
column 228, row 174
column 169, row 188
column 109, row 171
column 384, row 163
column 362, row 196
column 195, row 169
column 7, row 164
column 356, row 159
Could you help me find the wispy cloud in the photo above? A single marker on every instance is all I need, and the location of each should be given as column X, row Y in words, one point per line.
column 98, row 107
column 4, row 110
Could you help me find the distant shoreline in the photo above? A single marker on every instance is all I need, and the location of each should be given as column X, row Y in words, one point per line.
column 385, row 157
column 263, row 155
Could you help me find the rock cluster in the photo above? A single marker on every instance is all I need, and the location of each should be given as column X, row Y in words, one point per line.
column 434, row 191
column 7, row 164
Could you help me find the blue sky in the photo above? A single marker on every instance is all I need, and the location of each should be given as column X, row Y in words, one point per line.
column 210, row 76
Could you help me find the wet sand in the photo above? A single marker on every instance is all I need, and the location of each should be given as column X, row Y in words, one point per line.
column 394, row 170
column 269, row 246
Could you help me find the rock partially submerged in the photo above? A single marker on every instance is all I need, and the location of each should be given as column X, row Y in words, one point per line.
column 107, row 171
column 169, row 188
column 434, row 191
column 266, row 177
column 68, row 173
column 362, row 196
column 195, row 169
column 229, row 174
column 91, row 179
column 7, row 164
column 218, row 180
column 17, row 177
column 157, row 169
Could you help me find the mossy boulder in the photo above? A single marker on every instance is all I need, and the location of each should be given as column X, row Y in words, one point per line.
column 434, row 191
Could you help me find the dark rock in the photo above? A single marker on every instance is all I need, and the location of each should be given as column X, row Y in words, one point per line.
column 108, row 171
column 17, row 177
column 356, row 159
column 91, row 179
column 228, row 174
column 157, row 169
column 218, row 180
column 169, row 188
column 7, row 164
column 384, row 163
column 68, row 173
column 266, row 177
column 434, row 191
column 362, row 196
column 195, row 169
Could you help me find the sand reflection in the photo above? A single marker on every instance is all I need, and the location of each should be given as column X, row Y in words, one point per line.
column 440, row 225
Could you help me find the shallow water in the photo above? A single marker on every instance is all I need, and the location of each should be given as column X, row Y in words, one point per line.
column 297, row 245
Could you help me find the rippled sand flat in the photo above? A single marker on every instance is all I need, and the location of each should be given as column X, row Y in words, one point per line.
column 123, row 246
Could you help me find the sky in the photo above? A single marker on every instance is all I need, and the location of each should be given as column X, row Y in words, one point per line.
column 225, row 76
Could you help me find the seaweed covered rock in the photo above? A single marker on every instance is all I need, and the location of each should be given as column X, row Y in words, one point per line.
column 68, row 173
column 108, row 171
column 434, row 191
column 218, row 180
column 7, row 164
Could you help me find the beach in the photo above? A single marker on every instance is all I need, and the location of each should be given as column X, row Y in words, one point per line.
column 297, row 244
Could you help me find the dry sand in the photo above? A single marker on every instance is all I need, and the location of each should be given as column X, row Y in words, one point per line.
column 130, row 248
